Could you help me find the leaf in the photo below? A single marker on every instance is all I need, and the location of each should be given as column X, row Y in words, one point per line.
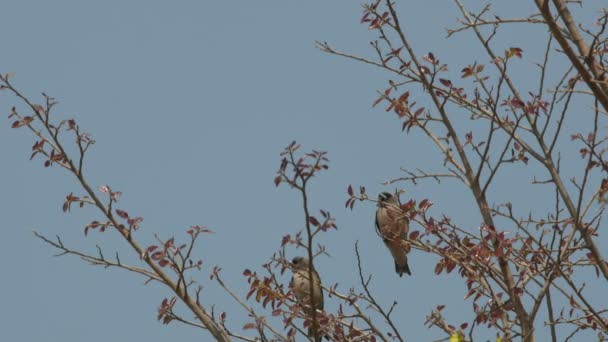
column 27, row 120
column 350, row 191
column 248, row 326
column 38, row 108
column 515, row 51
column 157, row 255
column 135, row 222
column 439, row 267
column 313, row 220
column 115, row 195
column 446, row 83
column 167, row 319
column 450, row 267
column 414, row 235
column 468, row 138
column 71, row 124
column 123, row 214
column 457, row 337
column 285, row 240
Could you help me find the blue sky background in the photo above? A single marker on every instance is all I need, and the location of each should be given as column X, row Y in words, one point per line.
column 191, row 103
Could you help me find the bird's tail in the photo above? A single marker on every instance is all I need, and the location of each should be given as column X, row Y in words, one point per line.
column 401, row 266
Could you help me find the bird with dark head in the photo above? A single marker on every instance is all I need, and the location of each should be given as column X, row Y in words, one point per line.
column 393, row 227
column 301, row 286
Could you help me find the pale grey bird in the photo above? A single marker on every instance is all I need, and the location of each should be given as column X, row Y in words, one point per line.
column 393, row 227
column 301, row 287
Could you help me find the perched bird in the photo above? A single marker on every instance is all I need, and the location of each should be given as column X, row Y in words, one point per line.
column 393, row 226
column 301, row 287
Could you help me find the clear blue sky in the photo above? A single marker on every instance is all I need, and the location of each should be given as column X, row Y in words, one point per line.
column 190, row 103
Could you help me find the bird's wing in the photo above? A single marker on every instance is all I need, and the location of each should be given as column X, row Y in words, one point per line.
column 378, row 230
column 318, row 290
column 405, row 228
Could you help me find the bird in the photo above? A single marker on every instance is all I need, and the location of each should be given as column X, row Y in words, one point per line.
column 301, row 287
column 393, row 227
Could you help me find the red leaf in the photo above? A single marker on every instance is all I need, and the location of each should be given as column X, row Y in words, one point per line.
column 38, row 108
column 468, row 138
column 135, row 222
column 277, row 180
column 439, row 267
column 249, row 326
column 450, row 266
column 115, row 195
column 157, row 255
column 313, row 221
column 424, row 204
column 515, row 51
column 350, row 191
column 414, row 235
column 123, row 214
column 365, row 17
column 167, row 319
column 446, row 83
column 285, row 240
